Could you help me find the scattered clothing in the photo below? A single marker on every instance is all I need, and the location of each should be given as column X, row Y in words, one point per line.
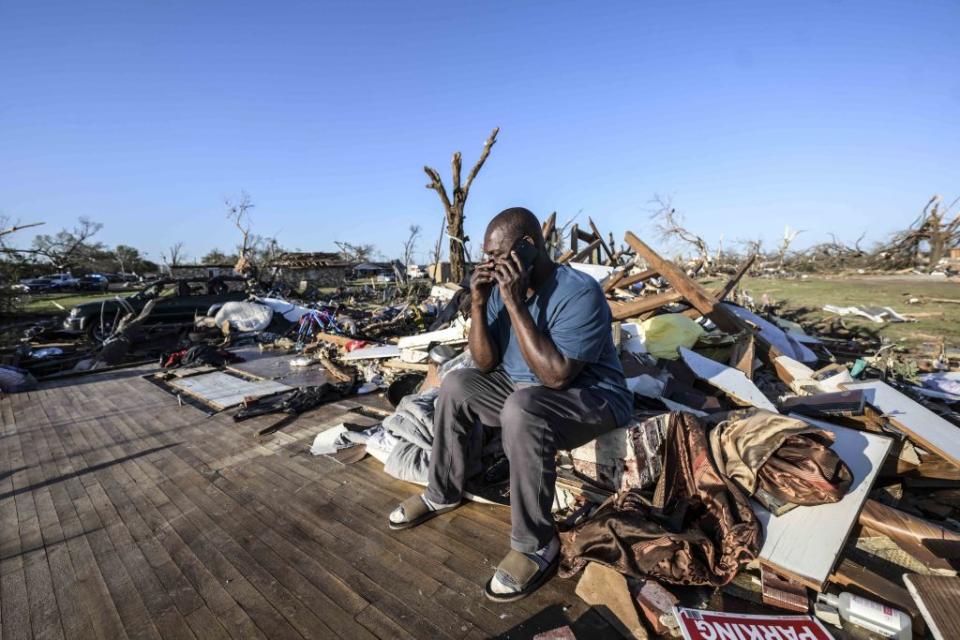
column 696, row 529
column 412, row 425
column 201, row 354
column 780, row 456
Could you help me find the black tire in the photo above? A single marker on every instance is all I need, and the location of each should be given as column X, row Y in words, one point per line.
column 93, row 331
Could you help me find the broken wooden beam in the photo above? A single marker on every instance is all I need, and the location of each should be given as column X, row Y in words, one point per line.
column 924, row 427
column 637, row 277
column 735, row 280
column 632, row 308
column 934, row 546
column 603, row 245
column 586, row 251
column 693, row 293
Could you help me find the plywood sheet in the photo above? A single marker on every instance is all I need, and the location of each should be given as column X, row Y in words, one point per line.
column 804, row 543
column 938, row 598
column 920, row 424
column 222, row 391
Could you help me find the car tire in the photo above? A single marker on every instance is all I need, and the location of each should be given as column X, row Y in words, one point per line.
column 93, row 331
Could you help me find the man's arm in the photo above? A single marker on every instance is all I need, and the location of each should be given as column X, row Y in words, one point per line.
column 485, row 353
column 554, row 369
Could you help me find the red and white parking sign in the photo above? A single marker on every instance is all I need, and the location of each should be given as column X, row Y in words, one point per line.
column 709, row 625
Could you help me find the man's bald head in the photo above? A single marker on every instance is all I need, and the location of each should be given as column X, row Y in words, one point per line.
column 508, row 226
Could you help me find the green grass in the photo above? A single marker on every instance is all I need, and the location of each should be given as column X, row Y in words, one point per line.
column 43, row 303
column 935, row 321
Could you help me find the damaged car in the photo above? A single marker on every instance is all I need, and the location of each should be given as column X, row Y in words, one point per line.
column 178, row 301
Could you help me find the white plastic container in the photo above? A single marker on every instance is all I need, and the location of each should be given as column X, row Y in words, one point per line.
column 873, row 616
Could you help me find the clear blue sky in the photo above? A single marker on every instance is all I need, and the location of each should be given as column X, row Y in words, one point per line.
column 837, row 117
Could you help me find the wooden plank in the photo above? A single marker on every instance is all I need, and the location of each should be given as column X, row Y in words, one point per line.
column 921, row 425
column 693, row 293
column 938, row 598
column 14, row 603
column 603, row 245
column 934, row 546
column 788, row 545
column 585, row 252
column 222, row 391
column 637, row 277
column 732, row 282
column 548, row 226
column 632, row 308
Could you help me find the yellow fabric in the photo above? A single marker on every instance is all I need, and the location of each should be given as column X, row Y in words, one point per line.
column 663, row 334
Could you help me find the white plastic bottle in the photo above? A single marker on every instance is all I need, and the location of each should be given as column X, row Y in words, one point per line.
column 873, row 616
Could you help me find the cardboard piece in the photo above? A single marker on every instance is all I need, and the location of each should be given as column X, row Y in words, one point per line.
column 607, row 590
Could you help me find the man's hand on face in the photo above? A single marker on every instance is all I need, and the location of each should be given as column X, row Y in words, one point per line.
column 482, row 280
column 512, row 278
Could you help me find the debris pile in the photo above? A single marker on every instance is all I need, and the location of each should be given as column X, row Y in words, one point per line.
column 764, row 465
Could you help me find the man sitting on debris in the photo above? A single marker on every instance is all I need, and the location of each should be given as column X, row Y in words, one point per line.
column 547, row 374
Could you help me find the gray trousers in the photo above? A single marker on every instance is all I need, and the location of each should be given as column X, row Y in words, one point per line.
column 536, row 421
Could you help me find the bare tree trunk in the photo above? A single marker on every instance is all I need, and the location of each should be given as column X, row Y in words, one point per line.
column 454, row 209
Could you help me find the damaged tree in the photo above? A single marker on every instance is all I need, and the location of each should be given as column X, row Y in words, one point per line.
column 68, row 248
column 670, row 226
column 453, row 207
column 175, row 255
column 238, row 212
column 930, row 231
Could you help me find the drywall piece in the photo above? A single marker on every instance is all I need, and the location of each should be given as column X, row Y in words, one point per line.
column 607, row 590
column 222, row 391
column 938, row 598
column 876, row 314
column 921, row 425
column 630, row 340
column 729, row 380
column 782, row 342
column 373, row 353
column 596, row 271
column 456, row 332
column 790, row 545
column 796, row 375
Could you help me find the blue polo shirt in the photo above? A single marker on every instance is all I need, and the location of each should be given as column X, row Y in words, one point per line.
column 571, row 309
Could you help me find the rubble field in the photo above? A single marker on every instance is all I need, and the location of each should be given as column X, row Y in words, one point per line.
column 218, row 458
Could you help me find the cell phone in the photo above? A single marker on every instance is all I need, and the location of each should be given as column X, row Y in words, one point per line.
column 526, row 252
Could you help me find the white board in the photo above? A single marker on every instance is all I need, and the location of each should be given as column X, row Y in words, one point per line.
column 806, row 541
column 921, row 425
column 222, row 391
column 731, row 381
column 374, row 352
column 774, row 335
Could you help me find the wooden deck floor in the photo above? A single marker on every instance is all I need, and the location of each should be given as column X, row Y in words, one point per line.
column 123, row 514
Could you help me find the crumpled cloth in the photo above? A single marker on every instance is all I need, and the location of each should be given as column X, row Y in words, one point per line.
column 696, row 530
column 785, row 457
